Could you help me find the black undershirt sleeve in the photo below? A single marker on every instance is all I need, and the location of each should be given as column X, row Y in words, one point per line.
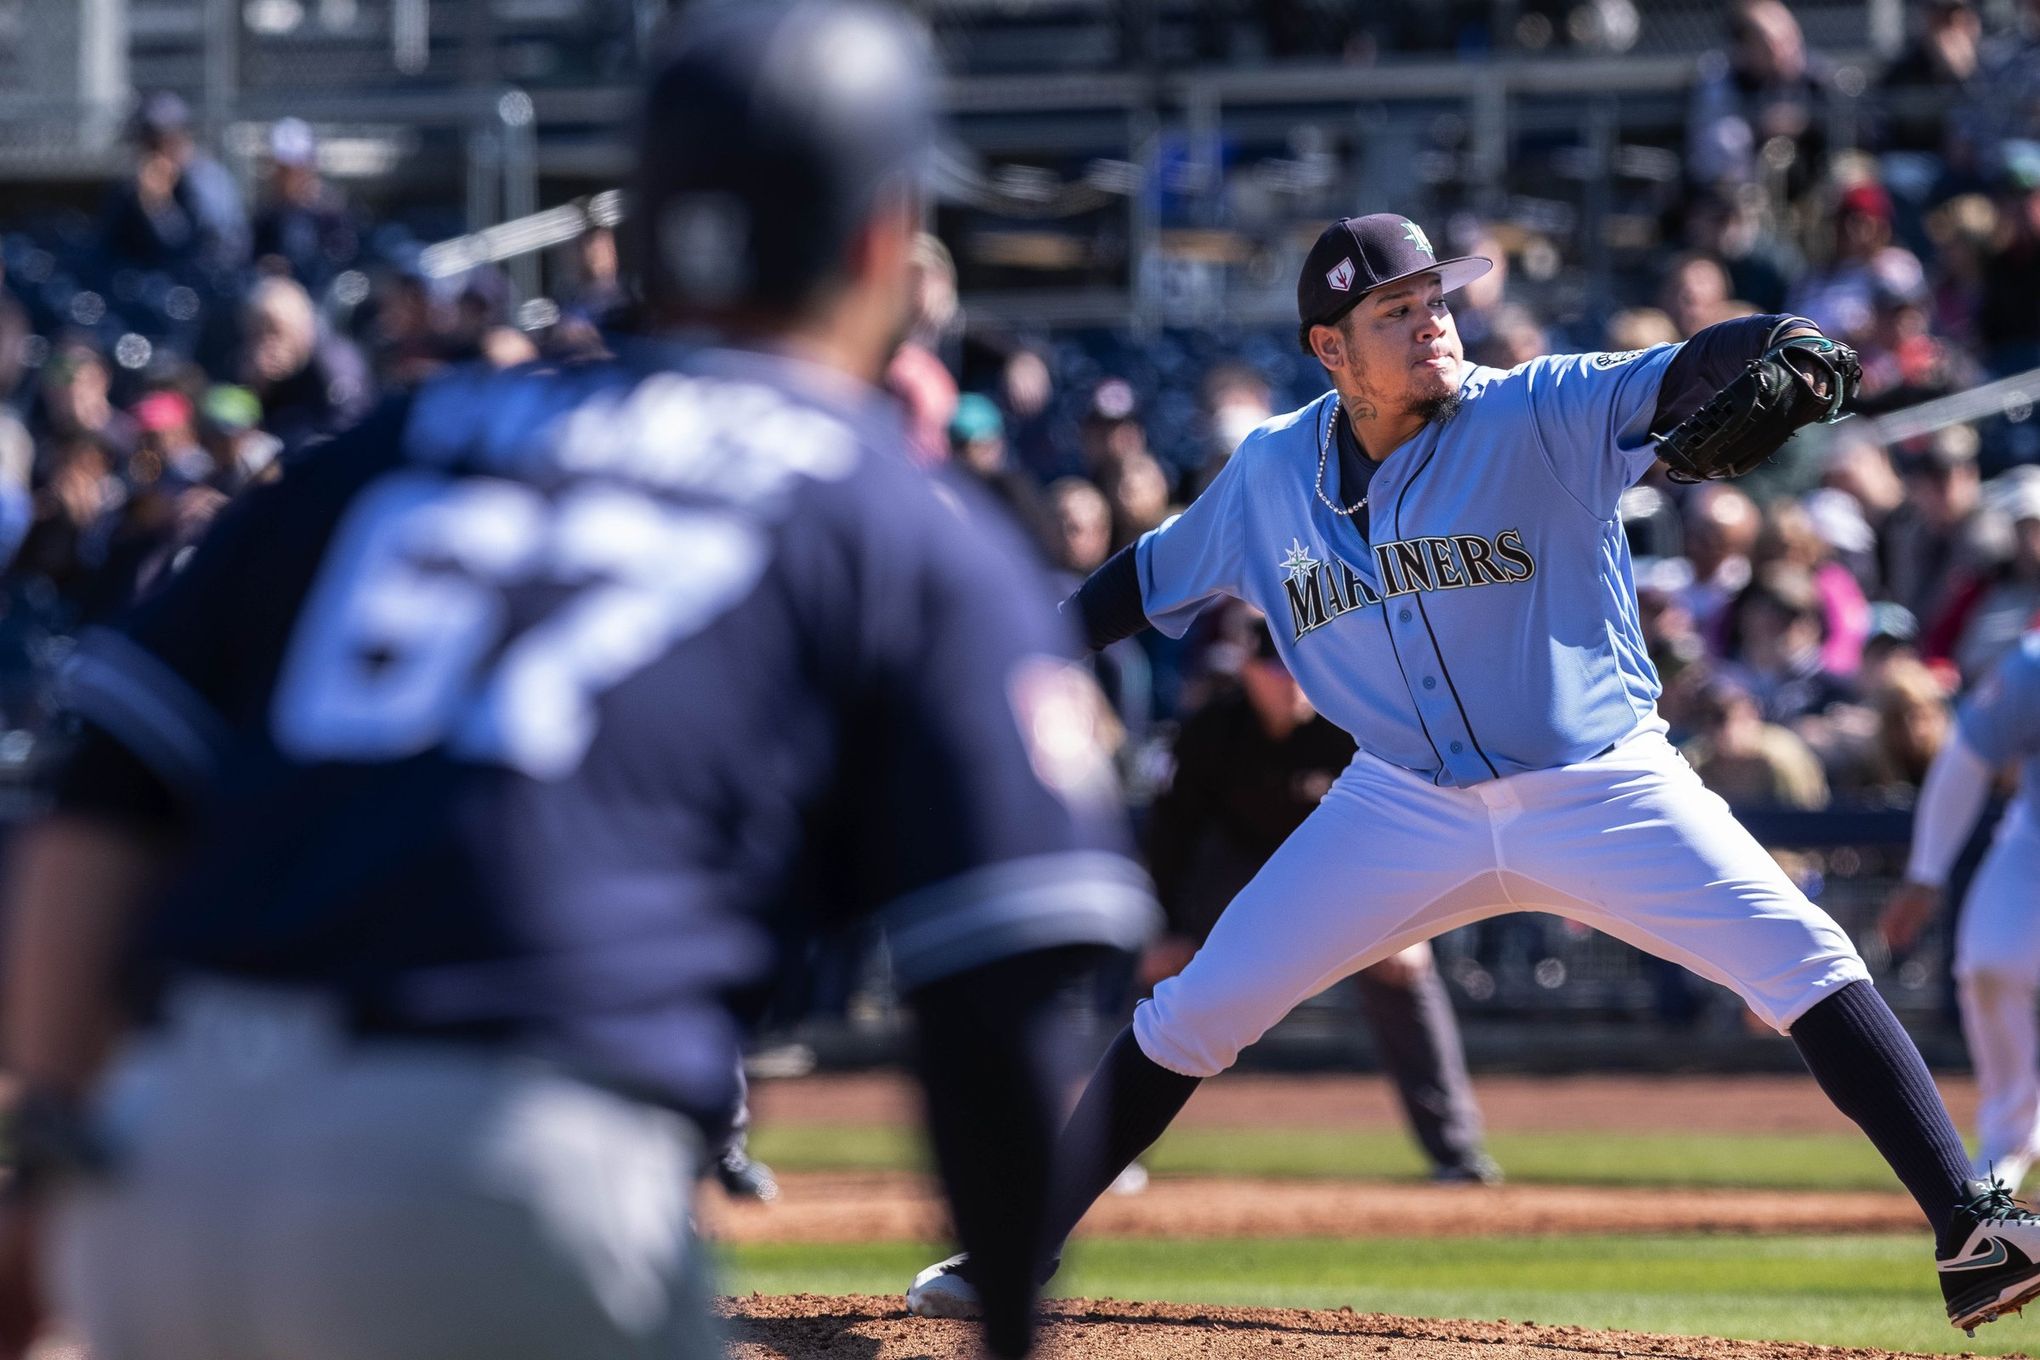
column 988, row 1056
column 1710, row 361
column 1107, row 606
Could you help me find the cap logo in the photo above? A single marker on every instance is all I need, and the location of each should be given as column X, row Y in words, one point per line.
column 1417, row 238
column 1340, row 275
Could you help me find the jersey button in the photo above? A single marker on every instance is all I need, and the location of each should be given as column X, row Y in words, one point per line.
column 1430, row 682
column 1404, row 616
column 1457, row 747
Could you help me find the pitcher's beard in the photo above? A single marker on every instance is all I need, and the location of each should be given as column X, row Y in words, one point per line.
column 1437, row 410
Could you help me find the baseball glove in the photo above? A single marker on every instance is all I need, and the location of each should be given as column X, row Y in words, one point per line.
column 1794, row 383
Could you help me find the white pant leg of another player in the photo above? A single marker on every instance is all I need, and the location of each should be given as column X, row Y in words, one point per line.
column 283, row 1190
column 1632, row 844
column 1997, row 972
column 1386, row 860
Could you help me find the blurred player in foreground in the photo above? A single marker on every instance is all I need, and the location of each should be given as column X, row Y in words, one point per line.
column 1437, row 549
column 454, row 801
column 1997, row 944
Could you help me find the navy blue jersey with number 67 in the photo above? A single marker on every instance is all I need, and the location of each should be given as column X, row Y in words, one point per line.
column 545, row 705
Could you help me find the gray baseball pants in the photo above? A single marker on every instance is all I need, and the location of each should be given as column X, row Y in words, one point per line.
column 282, row 1190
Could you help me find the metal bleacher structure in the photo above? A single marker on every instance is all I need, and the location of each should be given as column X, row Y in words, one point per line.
column 1112, row 160
column 1151, row 167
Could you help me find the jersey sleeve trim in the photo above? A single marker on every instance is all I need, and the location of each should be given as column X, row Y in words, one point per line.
column 145, row 705
column 1016, row 907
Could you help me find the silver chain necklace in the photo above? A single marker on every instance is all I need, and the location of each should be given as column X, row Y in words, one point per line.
column 1324, row 455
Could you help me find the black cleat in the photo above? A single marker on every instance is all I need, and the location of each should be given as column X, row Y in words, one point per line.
column 1479, row 1169
column 1994, row 1267
column 744, row 1178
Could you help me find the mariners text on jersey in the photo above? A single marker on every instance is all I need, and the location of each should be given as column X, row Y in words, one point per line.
column 1319, row 592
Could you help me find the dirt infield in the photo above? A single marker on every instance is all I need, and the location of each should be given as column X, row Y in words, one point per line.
column 1612, row 1104
column 888, row 1206
column 859, row 1327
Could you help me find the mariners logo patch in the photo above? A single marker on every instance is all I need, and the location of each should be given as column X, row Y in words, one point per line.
column 1417, row 238
column 1340, row 276
column 1297, row 563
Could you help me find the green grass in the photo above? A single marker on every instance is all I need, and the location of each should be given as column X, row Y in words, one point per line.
column 1761, row 1161
column 1850, row 1291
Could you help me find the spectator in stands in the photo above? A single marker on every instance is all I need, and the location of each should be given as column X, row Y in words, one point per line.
column 597, row 296
column 977, row 440
column 1775, row 634
column 1934, row 533
column 1904, row 363
column 1764, row 89
column 1515, row 336
column 480, row 319
column 1639, row 328
column 1083, row 523
column 1236, row 400
column 1840, row 296
column 310, row 383
column 918, row 376
column 1721, row 531
column 179, row 208
column 1726, row 223
column 1847, row 536
column 2008, row 321
column 76, row 491
column 1676, row 648
column 169, row 450
column 1476, row 305
column 1964, row 232
column 1749, row 761
column 75, row 400
column 1111, row 430
column 303, row 222
column 1790, row 536
column 1938, row 63
column 1696, row 293
column 408, row 334
column 1857, row 467
column 1988, row 610
column 241, row 449
column 1138, row 490
column 2007, row 105
column 1912, row 723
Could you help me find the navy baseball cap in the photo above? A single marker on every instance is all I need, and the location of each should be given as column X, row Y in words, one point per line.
column 768, row 133
column 1356, row 255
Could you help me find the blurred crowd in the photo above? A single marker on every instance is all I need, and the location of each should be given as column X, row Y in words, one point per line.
column 1812, row 624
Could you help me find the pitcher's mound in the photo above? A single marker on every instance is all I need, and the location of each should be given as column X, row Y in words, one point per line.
column 860, row 1327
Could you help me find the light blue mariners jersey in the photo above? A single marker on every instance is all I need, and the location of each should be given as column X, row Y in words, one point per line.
column 2001, row 718
column 1485, row 623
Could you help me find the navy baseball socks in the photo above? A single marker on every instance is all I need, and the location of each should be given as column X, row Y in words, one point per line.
column 1128, row 1103
column 1986, row 1247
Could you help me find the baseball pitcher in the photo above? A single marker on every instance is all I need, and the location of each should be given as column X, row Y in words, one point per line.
column 1437, row 548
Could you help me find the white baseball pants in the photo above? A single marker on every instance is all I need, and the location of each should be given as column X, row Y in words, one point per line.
column 1997, row 973
column 1628, row 842
column 283, row 1191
